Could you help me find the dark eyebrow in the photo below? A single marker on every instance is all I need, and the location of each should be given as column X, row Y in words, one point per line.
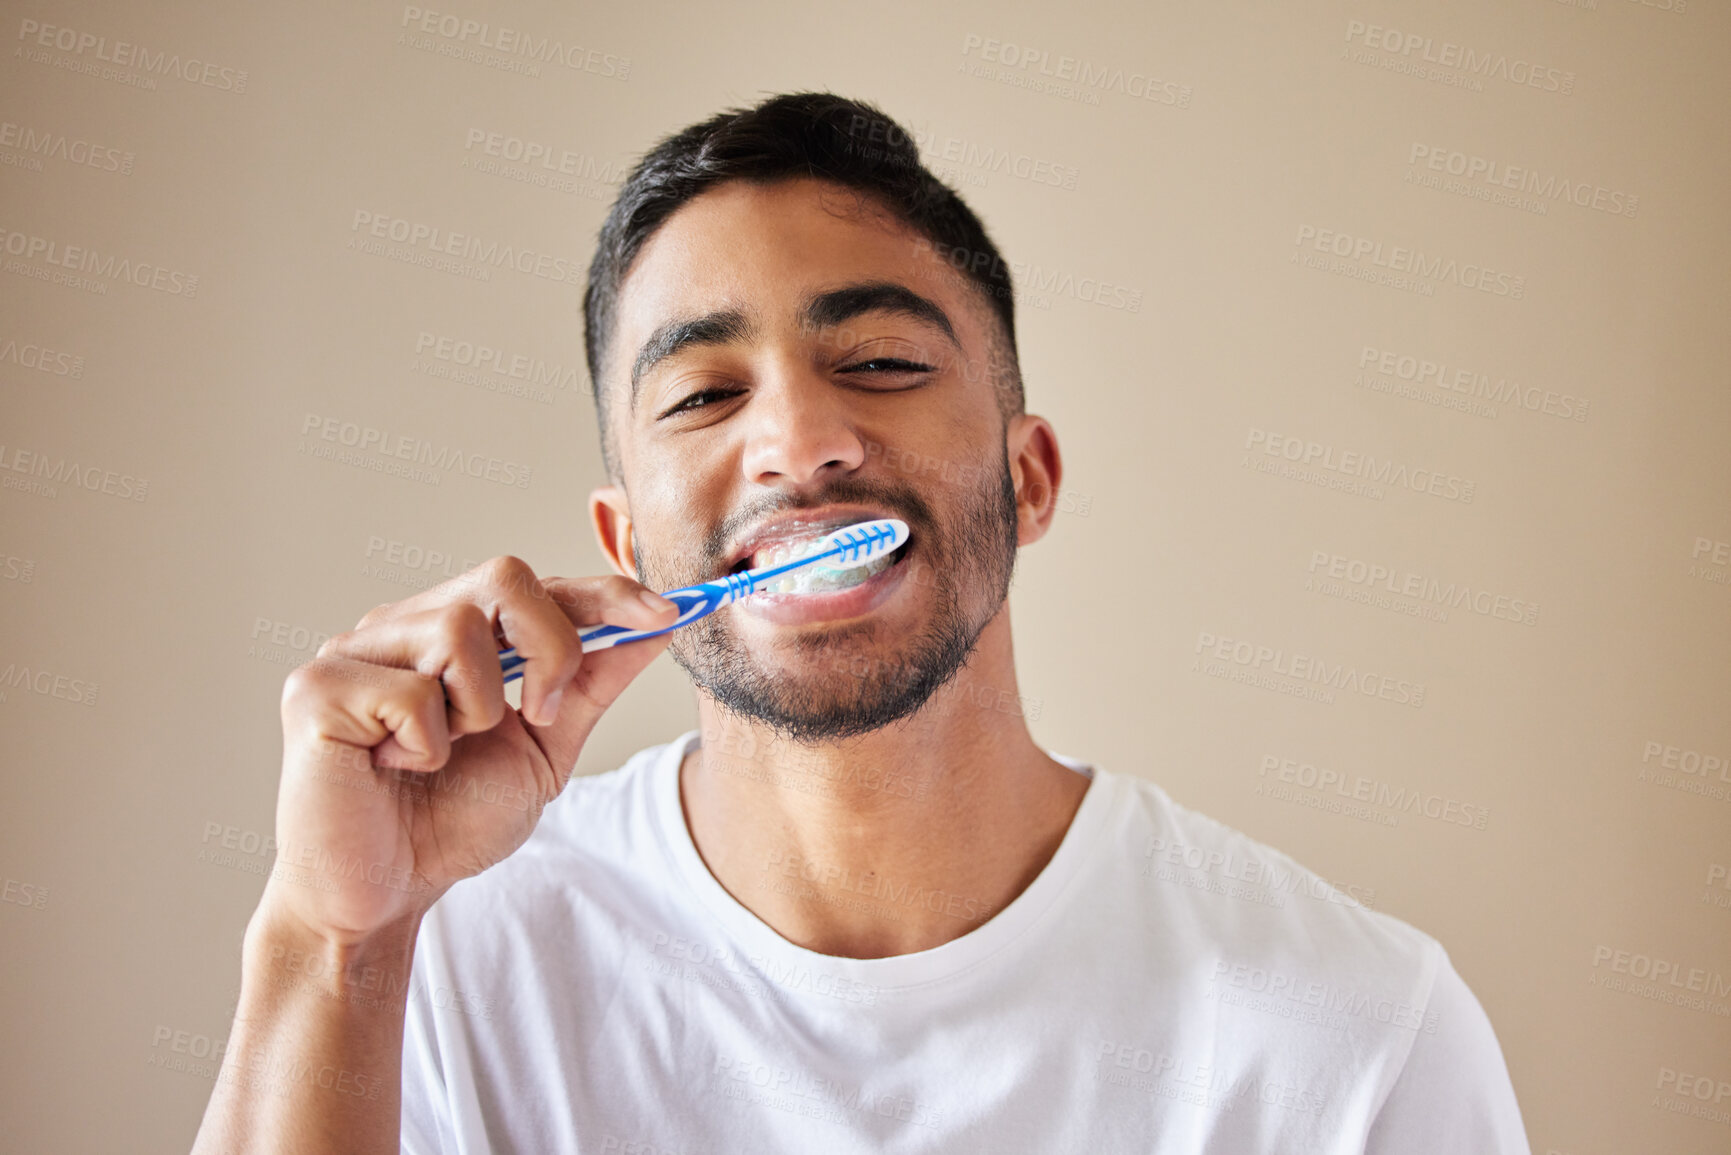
column 844, row 304
column 821, row 310
column 722, row 327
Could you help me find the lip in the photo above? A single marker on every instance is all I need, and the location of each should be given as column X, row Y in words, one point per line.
column 806, row 609
column 803, row 525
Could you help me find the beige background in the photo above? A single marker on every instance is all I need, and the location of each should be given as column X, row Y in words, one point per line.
column 140, row 775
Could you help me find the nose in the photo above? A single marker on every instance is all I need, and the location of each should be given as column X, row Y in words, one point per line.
column 800, row 428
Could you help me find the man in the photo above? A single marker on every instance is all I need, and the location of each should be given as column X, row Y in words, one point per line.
column 858, row 909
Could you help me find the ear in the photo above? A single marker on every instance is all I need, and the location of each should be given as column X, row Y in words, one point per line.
column 1036, row 471
column 610, row 511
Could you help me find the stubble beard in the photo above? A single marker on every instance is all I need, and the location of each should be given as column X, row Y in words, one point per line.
column 839, row 682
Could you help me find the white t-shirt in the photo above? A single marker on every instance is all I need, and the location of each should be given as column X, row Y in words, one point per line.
column 1166, row 984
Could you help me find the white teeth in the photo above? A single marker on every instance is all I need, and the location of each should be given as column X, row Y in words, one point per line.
column 820, row 578
column 824, row 579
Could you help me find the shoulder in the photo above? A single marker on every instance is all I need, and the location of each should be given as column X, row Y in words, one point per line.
column 1454, row 1093
column 1273, row 926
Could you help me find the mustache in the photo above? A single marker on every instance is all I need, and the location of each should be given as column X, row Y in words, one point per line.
column 902, row 501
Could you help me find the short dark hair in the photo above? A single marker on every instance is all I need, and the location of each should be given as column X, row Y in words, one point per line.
column 802, row 134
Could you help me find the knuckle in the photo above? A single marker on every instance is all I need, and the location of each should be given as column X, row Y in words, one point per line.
column 303, row 689
column 374, row 616
column 620, row 587
column 464, row 680
column 506, row 568
column 425, row 699
column 463, row 623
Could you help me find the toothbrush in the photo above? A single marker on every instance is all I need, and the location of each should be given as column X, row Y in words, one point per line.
column 852, row 546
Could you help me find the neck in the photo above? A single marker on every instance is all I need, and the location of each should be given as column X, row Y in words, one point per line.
column 892, row 842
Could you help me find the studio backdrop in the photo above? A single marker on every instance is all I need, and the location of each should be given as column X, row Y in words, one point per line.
column 1385, row 343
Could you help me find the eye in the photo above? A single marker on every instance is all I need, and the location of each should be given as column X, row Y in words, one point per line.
column 888, row 365
column 700, row 399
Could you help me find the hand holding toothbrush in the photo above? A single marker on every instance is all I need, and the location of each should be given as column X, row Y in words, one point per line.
column 850, row 547
column 401, row 752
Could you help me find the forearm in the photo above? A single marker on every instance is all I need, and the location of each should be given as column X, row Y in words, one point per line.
column 314, row 1060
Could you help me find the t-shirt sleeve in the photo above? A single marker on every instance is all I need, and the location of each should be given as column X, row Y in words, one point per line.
column 423, row 1075
column 1453, row 1096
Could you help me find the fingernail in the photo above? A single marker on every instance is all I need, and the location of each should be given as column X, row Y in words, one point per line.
column 654, row 601
column 550, row 706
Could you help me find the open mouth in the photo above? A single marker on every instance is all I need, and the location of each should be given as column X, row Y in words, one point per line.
column 819, row 578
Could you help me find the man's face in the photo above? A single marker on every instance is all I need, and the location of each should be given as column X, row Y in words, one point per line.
column 793, row 375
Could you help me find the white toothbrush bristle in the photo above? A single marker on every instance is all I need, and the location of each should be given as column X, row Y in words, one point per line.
column 843, row 570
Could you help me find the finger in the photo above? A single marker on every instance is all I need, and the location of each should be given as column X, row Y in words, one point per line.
column 478, row 586
column 600, row 679
column 531, row 622
column 398, row 713
column 544, row 631
column 614, row 601
column 527, row 617
column 453, row 643
column 540, row 626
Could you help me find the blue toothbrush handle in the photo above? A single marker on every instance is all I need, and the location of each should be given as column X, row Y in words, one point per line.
column 852, row 546
column 694, row 602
